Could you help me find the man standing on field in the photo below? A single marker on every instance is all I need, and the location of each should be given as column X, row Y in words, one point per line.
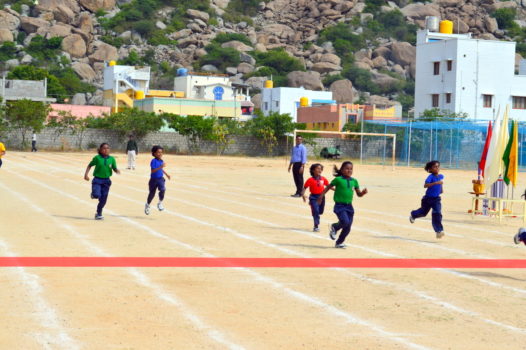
column 298, row 160
column 132, row 150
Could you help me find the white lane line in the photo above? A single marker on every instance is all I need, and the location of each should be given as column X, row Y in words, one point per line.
column 451, row 272
column 55, row 336
column 140, row 278
column 291, row 292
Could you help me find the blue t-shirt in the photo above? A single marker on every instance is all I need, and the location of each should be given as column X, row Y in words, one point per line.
column 436, row 190
column 154, row 164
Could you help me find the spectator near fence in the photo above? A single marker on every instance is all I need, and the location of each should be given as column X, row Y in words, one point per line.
column 132, row 150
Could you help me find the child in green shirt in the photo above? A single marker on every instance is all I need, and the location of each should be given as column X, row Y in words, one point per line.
column 100, row 186
column 344, row 186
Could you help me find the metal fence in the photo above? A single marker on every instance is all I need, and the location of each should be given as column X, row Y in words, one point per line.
column 456, row 144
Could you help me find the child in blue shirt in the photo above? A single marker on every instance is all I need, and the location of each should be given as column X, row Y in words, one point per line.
column 431, row 200
column 156, row 179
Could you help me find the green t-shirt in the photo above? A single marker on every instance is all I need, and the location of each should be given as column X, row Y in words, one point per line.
column 344, row 189
column 103, row 166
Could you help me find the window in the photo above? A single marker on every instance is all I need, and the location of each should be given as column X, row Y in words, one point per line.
column 448, row 97
column 449, row 65
column 434, row 100
column 488, row 101
column 519, row 102
column 436, row 68
column 277, row 104
column 265, row 107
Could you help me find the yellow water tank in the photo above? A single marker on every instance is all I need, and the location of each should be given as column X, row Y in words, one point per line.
column 269, row 84
column 446, row 27
column 139, row 95
column 304, row 102
column 112, row 63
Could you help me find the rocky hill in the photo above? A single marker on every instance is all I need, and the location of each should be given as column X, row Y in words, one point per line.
column 363, row 50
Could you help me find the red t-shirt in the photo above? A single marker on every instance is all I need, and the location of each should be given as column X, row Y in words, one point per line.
column 316, row 186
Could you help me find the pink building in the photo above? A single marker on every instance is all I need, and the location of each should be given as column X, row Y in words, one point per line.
column 79, row 111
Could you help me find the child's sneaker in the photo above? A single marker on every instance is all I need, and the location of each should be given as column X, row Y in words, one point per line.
column 411, row 219
column 92, row 196
column 99, row 217
column 440, row 234
column 332, row 232
column 341, row 246
column 517, row 238
column 147, row 209
column 315, row 229
column 160, row 206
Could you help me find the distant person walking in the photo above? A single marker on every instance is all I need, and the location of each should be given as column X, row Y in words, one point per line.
column 2, row 152
column 34, row 143
column 298, row 160
column 132, row 151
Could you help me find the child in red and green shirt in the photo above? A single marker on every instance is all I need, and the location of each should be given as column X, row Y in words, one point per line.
column 315, row 184
column 345, row 186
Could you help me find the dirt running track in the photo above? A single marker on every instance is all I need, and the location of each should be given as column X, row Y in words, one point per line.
column 240, row 207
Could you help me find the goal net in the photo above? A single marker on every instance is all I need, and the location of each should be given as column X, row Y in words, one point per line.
column 361, row 147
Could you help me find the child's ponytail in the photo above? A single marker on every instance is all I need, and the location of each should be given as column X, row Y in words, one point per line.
column 338, row 172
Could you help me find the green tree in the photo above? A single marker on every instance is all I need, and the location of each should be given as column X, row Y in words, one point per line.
column 505, row 18
column 280, row 124
column 221, row 57
column 25, row 116
column 195, row 128
column 134, row 121
column 440, row 115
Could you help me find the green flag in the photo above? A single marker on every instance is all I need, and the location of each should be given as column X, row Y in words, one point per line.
column 506, row 156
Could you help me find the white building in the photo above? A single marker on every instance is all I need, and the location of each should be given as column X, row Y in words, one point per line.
column 287, row 100
column 463, row 75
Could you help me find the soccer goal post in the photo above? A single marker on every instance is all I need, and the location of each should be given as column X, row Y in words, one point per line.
column 362, row 143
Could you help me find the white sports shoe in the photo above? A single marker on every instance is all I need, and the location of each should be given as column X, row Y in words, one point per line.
column 411, row 219
column 160, row 206
column 341, row 246
column 99, row 217
column 440, row 234
column 147, row 209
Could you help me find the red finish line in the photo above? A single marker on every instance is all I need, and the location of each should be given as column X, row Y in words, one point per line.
column 260, row 262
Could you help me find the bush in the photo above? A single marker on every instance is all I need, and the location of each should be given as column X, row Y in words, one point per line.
column 226, row 37
column 280, row 61
column 361, row 79
column 44, row 49
column 7, row 51
column 343, row 33
column 220, row 57
column 329, row 79
column 505, row 17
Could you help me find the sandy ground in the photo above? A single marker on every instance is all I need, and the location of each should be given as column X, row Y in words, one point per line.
column 241, row 207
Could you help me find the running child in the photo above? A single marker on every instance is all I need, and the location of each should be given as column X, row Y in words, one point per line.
column 2, row 152
column 156, row 179
column 431, row 199
column 520, row 236
column 100, row 186
column 344, row 186
column 316, row 184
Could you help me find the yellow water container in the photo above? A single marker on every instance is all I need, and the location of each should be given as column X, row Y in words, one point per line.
column 139, row 95
column 304, row 102
column 112, row 63
column 269, row 84
column 446, row 27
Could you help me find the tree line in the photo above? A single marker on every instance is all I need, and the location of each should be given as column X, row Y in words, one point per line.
column 24, row 117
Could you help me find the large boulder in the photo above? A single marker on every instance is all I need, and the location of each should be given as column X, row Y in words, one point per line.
column 420, row 11
column 203, row 16
column 309, row 80
column 279, row 30
column 330, row 58
column 84, row 71
column 85, row 22
column 237, row 45
column 8, row 21
column 210, row 68
column 94, row 5
column 102, row 52
column 32, row 24
column 61, row 30
column 64, row 14
column 52, row 5
column 403, row 53
column 256, row 100
column 79, row 99
column 342, row 91
column 491, row 24
column 256, row 83
column 74, row 45
column 5, row 35
column 325, row 67
column 245, row 68
column 383, row 80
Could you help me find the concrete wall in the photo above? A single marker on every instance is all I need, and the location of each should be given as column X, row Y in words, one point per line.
column 49, row 139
